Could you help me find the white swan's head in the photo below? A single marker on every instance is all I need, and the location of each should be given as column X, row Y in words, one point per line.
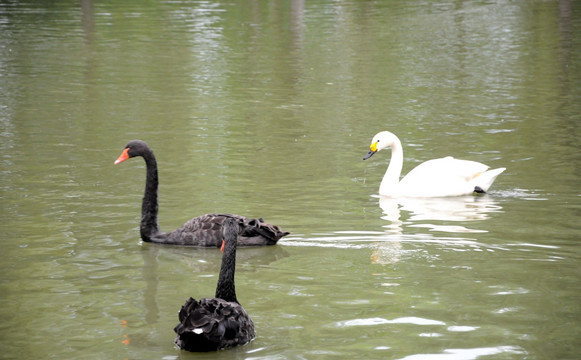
column 381, row 141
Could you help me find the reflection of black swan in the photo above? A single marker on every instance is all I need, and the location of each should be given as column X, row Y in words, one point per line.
column 221, row 322
column 200, row 231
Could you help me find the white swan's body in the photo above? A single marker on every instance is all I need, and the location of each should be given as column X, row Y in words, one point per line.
column 433, row 178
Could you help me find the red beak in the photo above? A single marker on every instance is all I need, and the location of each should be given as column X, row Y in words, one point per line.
column 222, row 247
column 124, row 156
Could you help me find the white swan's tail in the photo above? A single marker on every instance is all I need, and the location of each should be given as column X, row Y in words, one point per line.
column 484, row 180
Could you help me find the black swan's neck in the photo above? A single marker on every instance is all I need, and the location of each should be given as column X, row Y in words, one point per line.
column 149, row 206
column 225, row 289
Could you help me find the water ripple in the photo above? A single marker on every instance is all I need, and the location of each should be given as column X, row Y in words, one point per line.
column 466, row 354
column 380, row 321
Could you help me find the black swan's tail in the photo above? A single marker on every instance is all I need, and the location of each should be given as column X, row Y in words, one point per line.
column 252, row 228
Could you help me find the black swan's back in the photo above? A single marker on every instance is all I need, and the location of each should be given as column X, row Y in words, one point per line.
column 213, row 324
column 206, row 230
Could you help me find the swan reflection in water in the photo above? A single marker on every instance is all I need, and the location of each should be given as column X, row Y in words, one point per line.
column 446, row 214
column 461, row 208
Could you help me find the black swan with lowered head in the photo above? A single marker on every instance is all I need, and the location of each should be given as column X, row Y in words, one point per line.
column 203, row 230
column 221, row 322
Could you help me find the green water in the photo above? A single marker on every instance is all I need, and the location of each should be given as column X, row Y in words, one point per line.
column 266, row 109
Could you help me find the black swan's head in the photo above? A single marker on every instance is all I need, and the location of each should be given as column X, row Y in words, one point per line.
column 132, row 149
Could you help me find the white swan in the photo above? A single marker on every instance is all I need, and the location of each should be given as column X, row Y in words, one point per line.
column 438, row 177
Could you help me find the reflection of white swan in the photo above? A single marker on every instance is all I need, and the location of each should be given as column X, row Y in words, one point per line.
column 423, row 213
column 463, row 208
column 434, row 178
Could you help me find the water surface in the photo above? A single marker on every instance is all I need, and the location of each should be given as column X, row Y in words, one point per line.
column 266, row 110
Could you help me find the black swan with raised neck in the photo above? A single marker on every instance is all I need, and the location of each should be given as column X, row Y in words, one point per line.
column 221, row 322
column 203, row 230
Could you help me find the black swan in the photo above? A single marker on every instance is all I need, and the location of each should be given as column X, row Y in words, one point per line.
column 203, row 230
column 221, row 322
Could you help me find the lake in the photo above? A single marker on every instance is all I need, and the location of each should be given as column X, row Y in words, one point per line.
column 266, row 109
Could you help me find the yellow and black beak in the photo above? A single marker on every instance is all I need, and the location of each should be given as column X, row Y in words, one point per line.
column 372, row 150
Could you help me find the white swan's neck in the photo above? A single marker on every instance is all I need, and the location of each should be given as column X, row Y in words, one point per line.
column 390, row 181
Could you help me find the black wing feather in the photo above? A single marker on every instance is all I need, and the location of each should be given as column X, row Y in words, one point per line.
column 206, row 230
column 213, row 324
